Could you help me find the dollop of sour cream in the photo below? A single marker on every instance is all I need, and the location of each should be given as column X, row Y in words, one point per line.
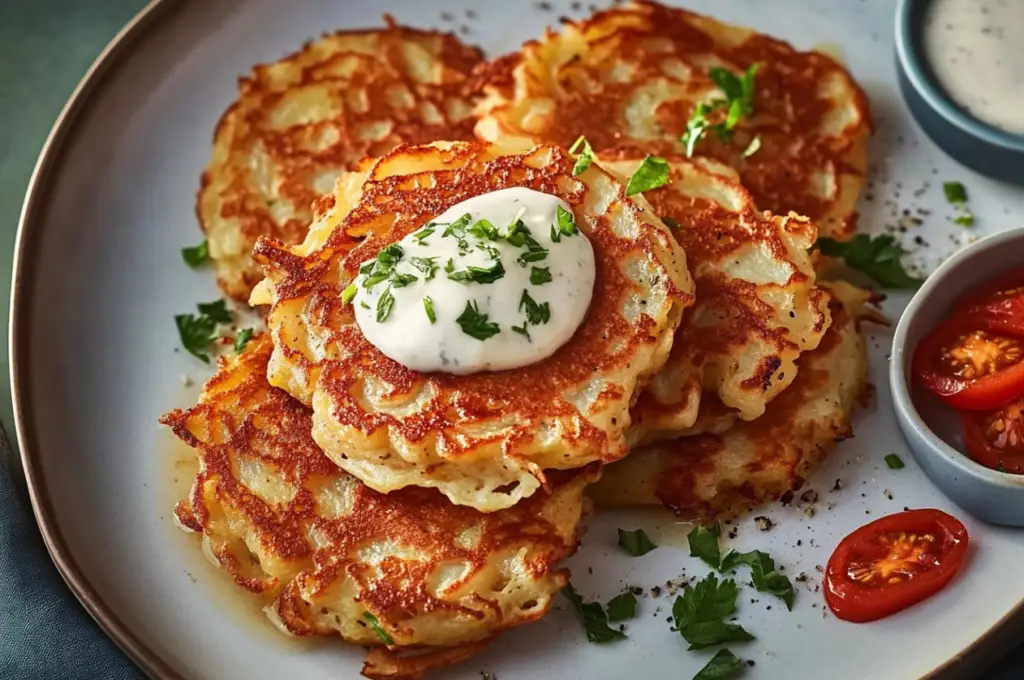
column 498, row 281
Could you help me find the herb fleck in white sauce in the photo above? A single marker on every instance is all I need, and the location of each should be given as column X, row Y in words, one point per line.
column 976, row 49
column 499, row 281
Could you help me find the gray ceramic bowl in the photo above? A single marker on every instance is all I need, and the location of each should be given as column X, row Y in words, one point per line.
column 932, row 429
column 982, row 147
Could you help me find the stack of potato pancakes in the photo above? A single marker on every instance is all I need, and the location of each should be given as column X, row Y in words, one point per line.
column 420, row 514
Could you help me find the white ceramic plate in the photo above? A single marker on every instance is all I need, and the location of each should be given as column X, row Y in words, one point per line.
column 99, row 278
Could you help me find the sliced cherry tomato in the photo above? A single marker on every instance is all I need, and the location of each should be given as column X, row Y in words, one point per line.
column 1009, row 285
column 996, row 438
column 971, row 362
column 892, row 563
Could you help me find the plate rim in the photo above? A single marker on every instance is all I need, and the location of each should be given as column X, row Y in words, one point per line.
column 117, row 51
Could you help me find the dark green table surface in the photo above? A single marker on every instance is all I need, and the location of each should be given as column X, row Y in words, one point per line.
column 45, row 48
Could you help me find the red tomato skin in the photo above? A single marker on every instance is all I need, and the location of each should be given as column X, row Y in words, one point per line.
column 856, row 603
column 980, row 395
column 993, row 290
column 982, row 452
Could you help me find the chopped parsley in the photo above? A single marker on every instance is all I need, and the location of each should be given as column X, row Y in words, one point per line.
column 523, row 330
column 704, row 544
column 894, row 462
column 391, row 255
column 196, row 256
column 536, row 314
column 216, row 310
column 348, row 294
column 423, row 233
column 652, row 173
column 458, row 227
column 475, row 324
column 427, row 265
column 484, row 230
column 378, row 629
column 700, row 611
column 540, row 275
column 402, row 280
column 671, row 223
column 622, row 607
column 385, row 303
column 428, row 307
column 566, row 221
column 196, row 333
column 877, row 257
column 532, row 256
column 738, row 102
column 955, row 192
column 636, row 543
column 242, row 339
column 763, row 574
column 584, row 155
column 476, row 274
column 722, row 666
column 517, row 233
column 593, row 618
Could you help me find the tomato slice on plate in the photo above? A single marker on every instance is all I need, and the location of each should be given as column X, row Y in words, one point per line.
column 972, row 362
column 892, row 563
column 996, row 438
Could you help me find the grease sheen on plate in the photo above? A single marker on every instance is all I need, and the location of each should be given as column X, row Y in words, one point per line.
column 853, row 485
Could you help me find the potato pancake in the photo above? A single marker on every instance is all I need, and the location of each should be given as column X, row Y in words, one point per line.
column 301, row 121
column 757, row 305
column 630, row 79
column 484, row 439
column 710, row 476
column 333, row 557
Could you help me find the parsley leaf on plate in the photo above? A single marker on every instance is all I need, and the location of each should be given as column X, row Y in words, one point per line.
column 955, row 192
column 636, row 543
column 584, row 155
column 475, row 324
column 651, row 174
column 593, row 617
column 700, row 610
column 704, row 544
column 622, row 606
column 216, row 310
column 723, row 665
column 242, row 339
column 894, row 462
column 378, row 629
column 196, row 333
column 762, row 572
column 196, row 256
column 877, row 257
column 965, row 220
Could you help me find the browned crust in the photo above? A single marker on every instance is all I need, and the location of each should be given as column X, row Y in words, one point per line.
column 393, row 206
column 297, row 153
column 789, row 108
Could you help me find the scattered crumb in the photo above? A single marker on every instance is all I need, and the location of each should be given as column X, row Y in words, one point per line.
column 763, row 523
column 838, row 485
column 186, row 381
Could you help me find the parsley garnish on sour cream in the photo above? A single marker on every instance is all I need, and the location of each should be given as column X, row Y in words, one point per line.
column 493, row 281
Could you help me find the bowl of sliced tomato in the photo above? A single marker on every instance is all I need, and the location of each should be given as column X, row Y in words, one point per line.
column 957, row 378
